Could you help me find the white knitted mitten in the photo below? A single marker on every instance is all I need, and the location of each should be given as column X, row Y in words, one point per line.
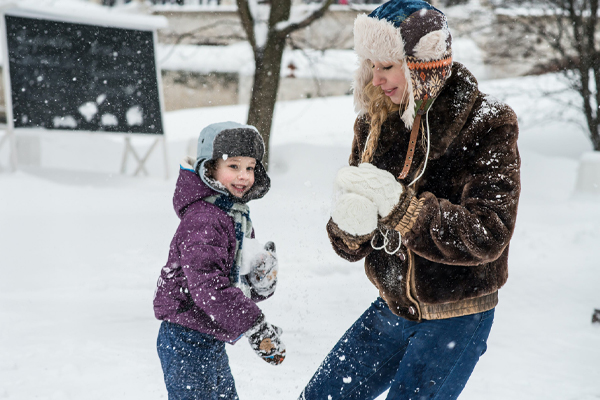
column 355, row 214
column 375, row 184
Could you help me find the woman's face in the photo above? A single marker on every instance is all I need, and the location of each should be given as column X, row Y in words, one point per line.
column 390, row 77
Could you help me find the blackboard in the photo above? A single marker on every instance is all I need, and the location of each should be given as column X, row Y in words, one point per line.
column 82, row 77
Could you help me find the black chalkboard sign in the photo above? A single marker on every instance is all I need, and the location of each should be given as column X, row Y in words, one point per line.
column 82, row 77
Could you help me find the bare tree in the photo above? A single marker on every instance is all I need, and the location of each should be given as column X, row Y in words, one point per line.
column 569, row 29
column 267, row 24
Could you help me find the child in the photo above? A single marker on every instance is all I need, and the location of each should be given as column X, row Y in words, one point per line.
column 216, row 270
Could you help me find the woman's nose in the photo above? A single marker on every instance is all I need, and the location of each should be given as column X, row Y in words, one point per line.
column 377, row 79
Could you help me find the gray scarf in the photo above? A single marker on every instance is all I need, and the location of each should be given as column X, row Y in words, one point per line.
column 240, row 213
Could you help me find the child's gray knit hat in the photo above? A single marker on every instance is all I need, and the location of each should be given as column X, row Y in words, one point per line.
column 232, row 139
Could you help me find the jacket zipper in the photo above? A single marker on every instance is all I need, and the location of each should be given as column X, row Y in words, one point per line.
column 409, row 280
column 411, row 263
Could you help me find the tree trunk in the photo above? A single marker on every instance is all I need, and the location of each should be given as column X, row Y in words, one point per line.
column 267, row 59
column 596, row 140
column 265, row 88
column 594, row 129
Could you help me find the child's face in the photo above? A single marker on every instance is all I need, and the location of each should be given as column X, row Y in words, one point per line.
column 236, row 174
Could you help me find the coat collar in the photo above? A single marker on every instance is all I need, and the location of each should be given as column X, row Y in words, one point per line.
column 451, row 109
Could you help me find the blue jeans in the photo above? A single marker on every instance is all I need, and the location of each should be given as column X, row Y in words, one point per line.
column 195, row 365
column 432, row 359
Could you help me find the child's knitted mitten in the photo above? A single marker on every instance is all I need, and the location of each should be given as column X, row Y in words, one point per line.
column 263, row 276
column 265, row 340
column 377, row 185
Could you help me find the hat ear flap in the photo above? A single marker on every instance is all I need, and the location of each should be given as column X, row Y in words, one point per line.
column 409, row 114
column 362, row 76
column 432, row 46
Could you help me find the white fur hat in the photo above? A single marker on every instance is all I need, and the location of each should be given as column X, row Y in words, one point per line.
column 412, row 31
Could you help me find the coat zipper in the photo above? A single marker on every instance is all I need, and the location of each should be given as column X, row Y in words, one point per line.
column 411, row 270
column 409, row 280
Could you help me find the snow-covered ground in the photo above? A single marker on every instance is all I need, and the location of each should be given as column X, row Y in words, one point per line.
column 81, row 247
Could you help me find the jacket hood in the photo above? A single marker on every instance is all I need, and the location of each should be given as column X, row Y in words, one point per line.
column 189, row 187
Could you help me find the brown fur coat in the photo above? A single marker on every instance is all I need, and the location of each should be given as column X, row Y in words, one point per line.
column 457, row 220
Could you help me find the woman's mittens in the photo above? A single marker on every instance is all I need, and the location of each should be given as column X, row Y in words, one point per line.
column 355, row 214
column 377, row 185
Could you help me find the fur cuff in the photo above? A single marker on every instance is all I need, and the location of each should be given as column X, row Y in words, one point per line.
column 403, row 215
column 392, row 219
column 348, row 240
column 409, row 218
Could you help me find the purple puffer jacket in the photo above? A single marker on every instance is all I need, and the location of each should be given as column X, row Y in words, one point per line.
column 194, row 288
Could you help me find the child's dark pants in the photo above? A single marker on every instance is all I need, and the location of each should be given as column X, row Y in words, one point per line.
column 195, row 365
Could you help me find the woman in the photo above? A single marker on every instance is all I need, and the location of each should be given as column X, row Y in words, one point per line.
column 430, row 201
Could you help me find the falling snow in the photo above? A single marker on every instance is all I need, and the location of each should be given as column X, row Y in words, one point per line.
column 89, row 242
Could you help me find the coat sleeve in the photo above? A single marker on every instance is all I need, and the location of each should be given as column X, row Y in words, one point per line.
column 206, row 262
column 478, row 228
column 341, row 241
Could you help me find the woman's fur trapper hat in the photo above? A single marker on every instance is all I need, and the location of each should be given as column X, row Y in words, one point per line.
column 409, row 31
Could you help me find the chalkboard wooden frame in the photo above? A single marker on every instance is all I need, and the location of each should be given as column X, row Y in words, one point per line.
column 88, row 120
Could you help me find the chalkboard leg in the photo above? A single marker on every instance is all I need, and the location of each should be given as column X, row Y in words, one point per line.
column 125, row 153
column 140, row 160
column 2, row 141
column 12, row 150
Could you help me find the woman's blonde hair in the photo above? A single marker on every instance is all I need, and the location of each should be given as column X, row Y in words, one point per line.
column 380, row 107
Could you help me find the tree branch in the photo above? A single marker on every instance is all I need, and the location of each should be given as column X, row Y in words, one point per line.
column 280, row 11
column 247, row 21
column 308, row 20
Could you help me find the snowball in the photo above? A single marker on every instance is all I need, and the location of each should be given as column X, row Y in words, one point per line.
column 251, row 250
